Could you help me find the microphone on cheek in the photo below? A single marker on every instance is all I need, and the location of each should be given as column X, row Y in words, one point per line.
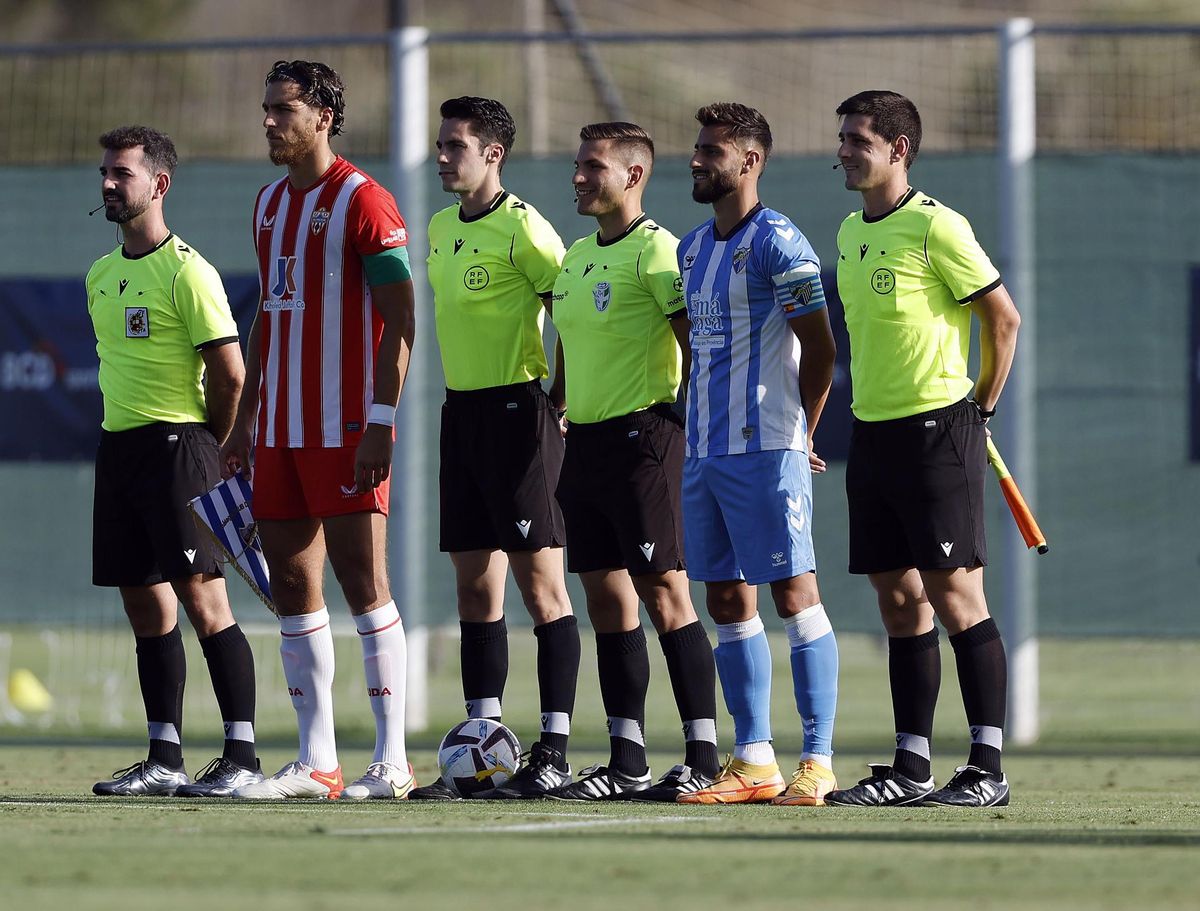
column 97, row 209
column 838, row 165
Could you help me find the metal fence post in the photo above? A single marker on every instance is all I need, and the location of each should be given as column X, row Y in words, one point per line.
column 408, row 149
column 1018, row 136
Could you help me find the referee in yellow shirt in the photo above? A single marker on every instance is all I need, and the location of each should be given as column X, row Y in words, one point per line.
column 619, row 310
column 492, row 263
column 910, row 275
column 170, row 373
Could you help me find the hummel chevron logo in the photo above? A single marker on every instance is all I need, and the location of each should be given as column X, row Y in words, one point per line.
column 928, row 202
column 268, row 220
column 123, row 284
column 786, row 235
column 458, row 245
column 588, row 268
column 862, row 252
column 947, row 546
column 647, row 550
column 776, row 221
column 523, row 527
column 794, row 505
column 191, row 555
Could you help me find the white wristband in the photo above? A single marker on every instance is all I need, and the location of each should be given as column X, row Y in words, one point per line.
column 382, row 414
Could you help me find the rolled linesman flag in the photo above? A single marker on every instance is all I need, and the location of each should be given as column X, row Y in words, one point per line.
column 224, row 512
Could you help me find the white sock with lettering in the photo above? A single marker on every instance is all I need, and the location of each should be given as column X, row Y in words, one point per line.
column 385, row 660
column 306, row 646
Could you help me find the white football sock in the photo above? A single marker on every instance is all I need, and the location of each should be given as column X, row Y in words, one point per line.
column 306, row 646
column 385, row 660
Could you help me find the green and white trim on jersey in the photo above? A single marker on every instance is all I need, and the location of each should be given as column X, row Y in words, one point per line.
column 905, row 279
column 611, row 303
column 152, row 314
column 487, row 272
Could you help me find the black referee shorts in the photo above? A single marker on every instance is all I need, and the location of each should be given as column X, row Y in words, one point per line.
column 142, row 530
column 502, row 452
column 915, row 491
column 619, row 492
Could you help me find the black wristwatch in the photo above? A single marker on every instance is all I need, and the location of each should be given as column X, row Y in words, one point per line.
column 982, row 413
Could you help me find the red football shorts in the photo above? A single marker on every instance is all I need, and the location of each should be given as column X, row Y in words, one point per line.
column 311, row 483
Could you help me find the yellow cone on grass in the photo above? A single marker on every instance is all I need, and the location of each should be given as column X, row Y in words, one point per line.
column 27, row 694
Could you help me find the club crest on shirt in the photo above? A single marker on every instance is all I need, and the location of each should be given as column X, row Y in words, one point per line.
column 740, row 255
column 137, row 322
column 602, row 295
column 320, row 218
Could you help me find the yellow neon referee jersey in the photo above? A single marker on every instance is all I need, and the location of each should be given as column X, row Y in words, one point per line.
column 152, row 314
column 905, row 280
column 487, row 272
column 611, row 303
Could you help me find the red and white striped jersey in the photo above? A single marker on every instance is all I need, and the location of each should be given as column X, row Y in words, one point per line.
column 318, row 329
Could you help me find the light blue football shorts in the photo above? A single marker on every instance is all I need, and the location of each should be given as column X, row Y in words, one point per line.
column 748, row 516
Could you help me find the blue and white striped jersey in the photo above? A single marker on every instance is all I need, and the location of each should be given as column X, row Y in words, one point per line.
column 744, row 388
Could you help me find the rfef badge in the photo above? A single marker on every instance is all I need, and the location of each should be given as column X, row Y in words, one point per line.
column 137, row 322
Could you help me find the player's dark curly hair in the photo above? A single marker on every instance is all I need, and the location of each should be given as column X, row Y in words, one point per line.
column 320, row 86
column 158, row 150
column 489, row 120
column 743, row 123
column 892, row 116
column 628, row 137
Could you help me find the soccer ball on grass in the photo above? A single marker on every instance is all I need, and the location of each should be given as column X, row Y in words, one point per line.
column 476, row 755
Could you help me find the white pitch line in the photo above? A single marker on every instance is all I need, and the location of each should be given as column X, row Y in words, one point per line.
column 584, row 823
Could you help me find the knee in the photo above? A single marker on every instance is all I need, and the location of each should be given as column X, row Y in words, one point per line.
column 478, row 604
column 362, row 586
column 547, row 604
column 669, row 608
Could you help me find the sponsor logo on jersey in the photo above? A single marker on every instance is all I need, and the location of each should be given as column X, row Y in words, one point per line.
column 137, row 322
column 708, row 323
column 121, row 286
column 320, row 218
column 396, row 237
column 285, row 276
column 602, row 296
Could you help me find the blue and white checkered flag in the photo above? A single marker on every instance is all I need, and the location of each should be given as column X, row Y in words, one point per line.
column 224, row 512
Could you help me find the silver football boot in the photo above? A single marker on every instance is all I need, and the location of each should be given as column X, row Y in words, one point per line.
column 143, row 779
column 220, row 778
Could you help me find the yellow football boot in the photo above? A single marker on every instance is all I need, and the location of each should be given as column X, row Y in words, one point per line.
column 740, row 782
column 809, row 786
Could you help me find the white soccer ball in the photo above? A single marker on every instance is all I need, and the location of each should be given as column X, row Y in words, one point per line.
column 476, row 755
